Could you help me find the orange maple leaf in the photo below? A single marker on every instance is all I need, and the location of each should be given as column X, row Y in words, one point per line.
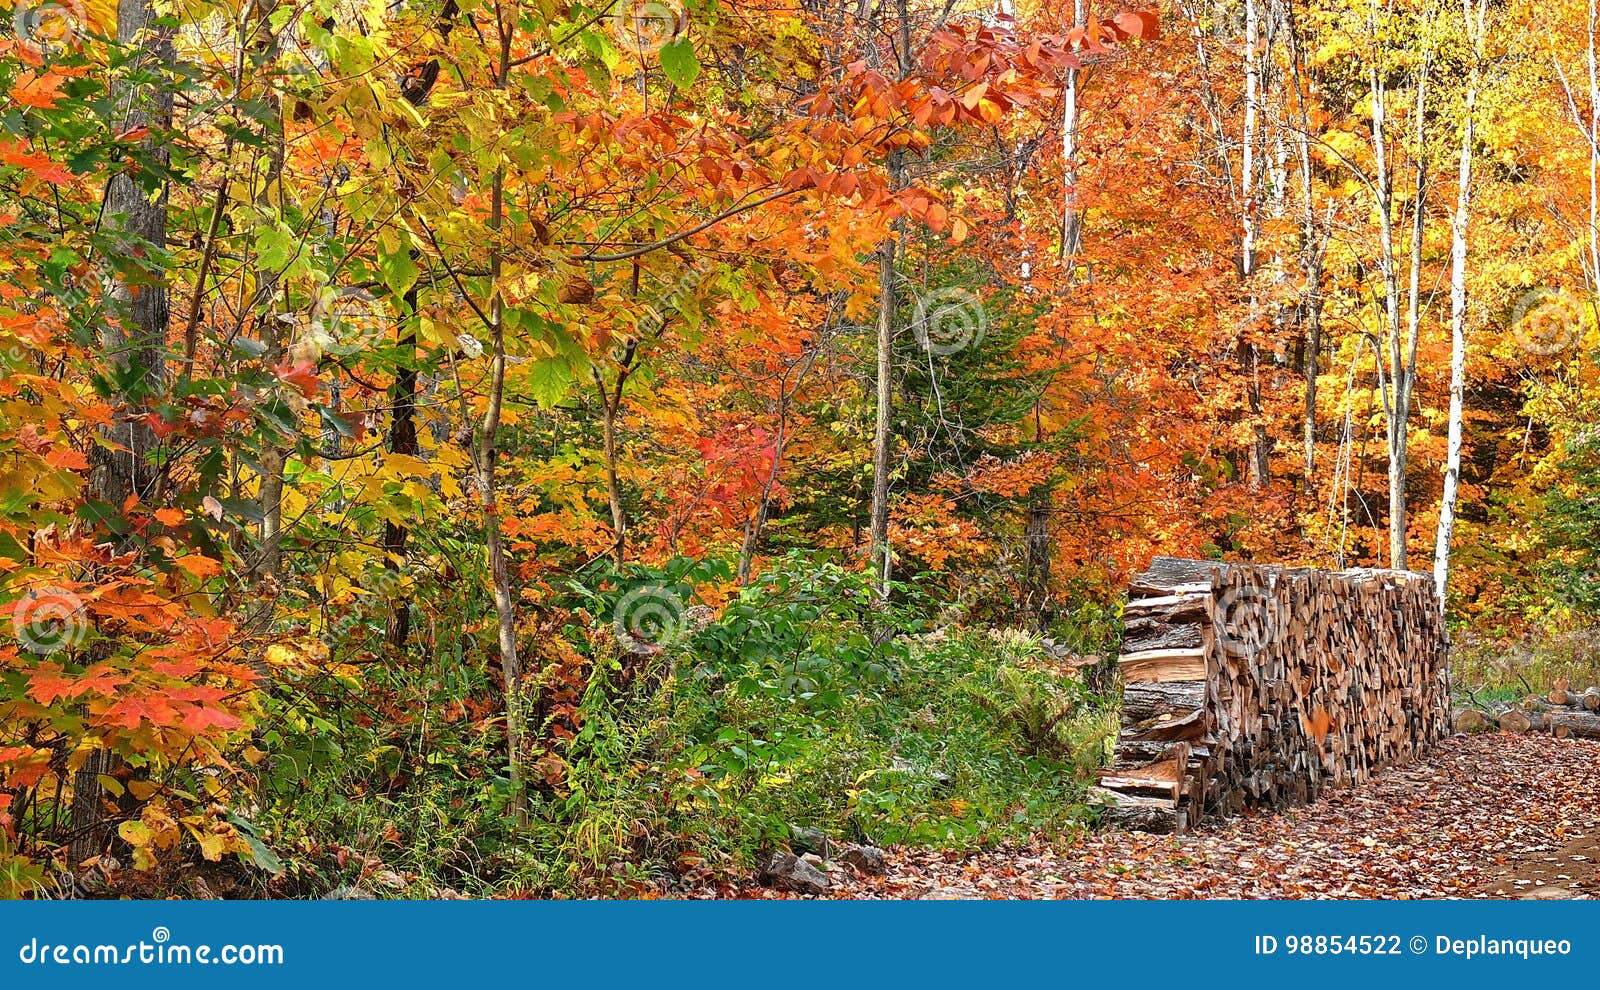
column 50, row 681
column 302, row 375
column 39, row 164
column 128, row 712
column 34, row 89
column 200, row 717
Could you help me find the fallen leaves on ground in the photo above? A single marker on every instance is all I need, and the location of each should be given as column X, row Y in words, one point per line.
column 1490, row 815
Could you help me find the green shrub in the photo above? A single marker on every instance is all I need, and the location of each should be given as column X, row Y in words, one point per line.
column 800, row 705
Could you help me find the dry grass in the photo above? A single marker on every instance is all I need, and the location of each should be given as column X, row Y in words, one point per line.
column 1529, row 664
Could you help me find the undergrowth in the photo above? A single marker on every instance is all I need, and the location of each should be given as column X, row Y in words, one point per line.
column 1505, row 667
column 796, row 704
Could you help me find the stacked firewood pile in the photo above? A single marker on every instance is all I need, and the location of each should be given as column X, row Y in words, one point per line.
column 1563, row 713
column 1257, row 686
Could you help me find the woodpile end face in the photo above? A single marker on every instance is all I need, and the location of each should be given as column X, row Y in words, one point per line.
column 1253, row 686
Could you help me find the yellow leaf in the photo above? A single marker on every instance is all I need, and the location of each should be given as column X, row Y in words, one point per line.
column 212, row 846
column 144, row 790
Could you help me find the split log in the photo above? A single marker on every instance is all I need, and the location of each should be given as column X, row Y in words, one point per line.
column 1157, row 633
column 1142, row 702
column 1161, row 666
column 1141, row 814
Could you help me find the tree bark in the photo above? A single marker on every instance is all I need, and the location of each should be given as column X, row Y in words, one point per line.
column 1458, row 310
column 1036, row 605
column 1071, row 219
column 402, row 438
column 485, row 453
column 883, row 429
column 273, row 333
column 135, row 342
column 402, row 441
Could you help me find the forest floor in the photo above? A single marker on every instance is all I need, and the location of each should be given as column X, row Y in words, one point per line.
column 1494, row 815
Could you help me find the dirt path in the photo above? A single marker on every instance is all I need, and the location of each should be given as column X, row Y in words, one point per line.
column 1484, row 816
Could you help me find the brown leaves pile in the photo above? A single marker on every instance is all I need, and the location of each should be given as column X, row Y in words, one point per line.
column 1491, row 815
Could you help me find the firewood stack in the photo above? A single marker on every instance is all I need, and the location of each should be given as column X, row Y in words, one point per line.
column 1563, row 713
column 1257, row 686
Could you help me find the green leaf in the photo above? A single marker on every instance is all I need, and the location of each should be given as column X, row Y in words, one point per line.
column 549, row 379
column 678, row 61
column 263, row 857
column 397, row 267
column 275, row 246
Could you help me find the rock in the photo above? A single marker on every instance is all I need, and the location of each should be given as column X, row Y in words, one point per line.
column 786, row 871
column 1471, row 720
column 1549, row 892
column 934, row 776
column 390, row 879
column 349, row 894
column 808, row 840
column 698, row 617
column 867, row 859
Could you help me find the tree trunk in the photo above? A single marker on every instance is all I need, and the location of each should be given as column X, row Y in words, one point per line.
column 883, row 430
column 402, row 438
column 1071, row 219
column 485, row 454
column 264, row 303
column 1311, row 249
column 1036, row 537
column 1458, row 316
column 1036, row 604
column 135, row 341
column 402, row 441
column 1401, row 340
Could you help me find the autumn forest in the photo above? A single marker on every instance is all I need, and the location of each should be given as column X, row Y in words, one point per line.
column 542, row 448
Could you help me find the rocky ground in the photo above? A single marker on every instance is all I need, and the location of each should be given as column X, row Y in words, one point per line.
column 1492, row 815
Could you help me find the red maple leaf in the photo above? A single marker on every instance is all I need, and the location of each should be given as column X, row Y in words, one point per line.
column 130, row 711
column 301, row 374
column 50, row 681
column 200, row 717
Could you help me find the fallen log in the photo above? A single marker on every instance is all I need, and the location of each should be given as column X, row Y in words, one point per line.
column 1569, row 725
column 1517, row 720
